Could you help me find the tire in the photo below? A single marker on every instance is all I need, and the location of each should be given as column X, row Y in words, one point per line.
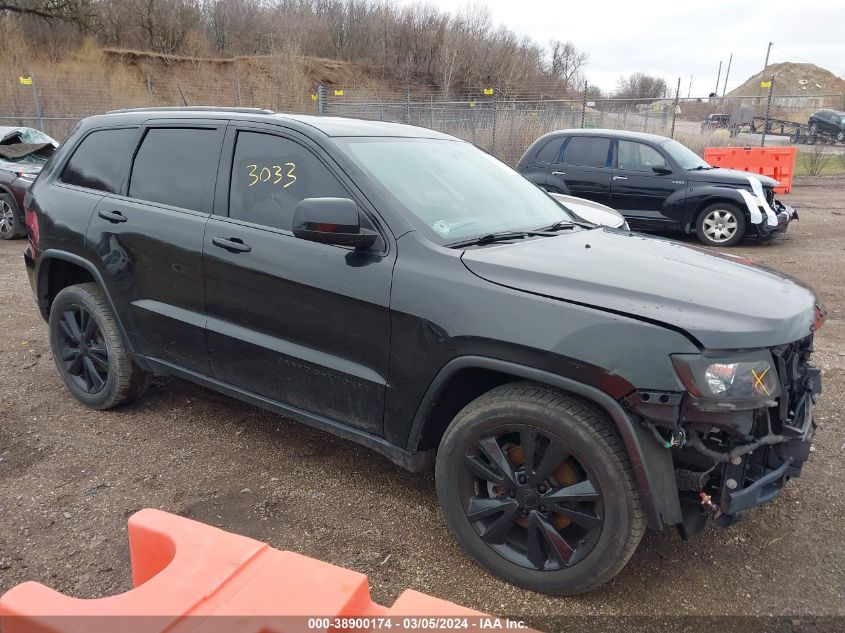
column 814, row 127
column 101, row 373
column 589, row 504
column 840, row 137
column 10, row 224
column 725, row 224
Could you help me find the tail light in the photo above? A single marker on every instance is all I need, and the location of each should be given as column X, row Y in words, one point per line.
column 32, row 226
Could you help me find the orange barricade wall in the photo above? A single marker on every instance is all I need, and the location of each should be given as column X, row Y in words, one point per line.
column 196, row 578
column 775, row 162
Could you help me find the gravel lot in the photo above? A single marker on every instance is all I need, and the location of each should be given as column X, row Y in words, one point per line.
column 70, row 477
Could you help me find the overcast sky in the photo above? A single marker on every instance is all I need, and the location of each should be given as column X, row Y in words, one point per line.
column 680, row 39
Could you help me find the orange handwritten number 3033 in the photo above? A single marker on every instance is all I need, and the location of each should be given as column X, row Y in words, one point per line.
column 265, row 173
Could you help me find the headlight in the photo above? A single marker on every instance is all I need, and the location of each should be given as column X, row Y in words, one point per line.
column 737, row 382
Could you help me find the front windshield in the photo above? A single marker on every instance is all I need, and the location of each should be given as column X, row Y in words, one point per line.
column 684, row 156
column 455, row 190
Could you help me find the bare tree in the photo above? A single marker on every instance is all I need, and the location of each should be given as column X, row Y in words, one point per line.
column 641, row 86
column 566, row 63
column 50, row 10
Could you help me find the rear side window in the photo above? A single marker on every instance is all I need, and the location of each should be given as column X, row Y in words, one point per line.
column 586, row 151
column 549, row 151
column 101, row 160
column 271, row 174
column 178, row 167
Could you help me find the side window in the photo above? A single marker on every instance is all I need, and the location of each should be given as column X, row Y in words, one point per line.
column 271, row 174
column 549, row 151
column 586, row 151
column 101, row 160
column 178, row 167
column 638, row 157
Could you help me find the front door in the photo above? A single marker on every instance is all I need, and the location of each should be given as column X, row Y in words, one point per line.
column 304, row 324
column 644, row 188
column 583, row 169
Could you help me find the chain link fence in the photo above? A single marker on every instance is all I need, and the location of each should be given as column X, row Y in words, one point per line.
column 502, row 123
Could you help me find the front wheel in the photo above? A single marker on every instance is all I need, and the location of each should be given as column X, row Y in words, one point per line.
column 720, row 224
column 89, row 351
column 537, row 487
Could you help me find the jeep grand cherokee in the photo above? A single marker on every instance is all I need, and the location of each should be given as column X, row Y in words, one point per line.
column 405, row 290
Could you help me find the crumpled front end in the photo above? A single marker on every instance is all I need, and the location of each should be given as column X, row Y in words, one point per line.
column 728, row 460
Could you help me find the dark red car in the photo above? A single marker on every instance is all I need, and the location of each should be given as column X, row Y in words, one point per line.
column 23, row 152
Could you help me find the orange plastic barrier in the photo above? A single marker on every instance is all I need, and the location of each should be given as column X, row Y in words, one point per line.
column 774, row 162
column 187, row 574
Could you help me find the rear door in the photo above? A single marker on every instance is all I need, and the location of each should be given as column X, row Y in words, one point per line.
column 300, row 323
column 640, row 193
column 583, row 168
column 148, row 240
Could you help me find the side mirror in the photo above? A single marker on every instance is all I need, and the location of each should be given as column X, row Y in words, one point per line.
column 661, row 170
column 331, row 221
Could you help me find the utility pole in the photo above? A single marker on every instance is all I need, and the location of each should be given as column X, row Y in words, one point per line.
column 718, row 77
column 689, row 90
column 768, row 50
column 727, row 74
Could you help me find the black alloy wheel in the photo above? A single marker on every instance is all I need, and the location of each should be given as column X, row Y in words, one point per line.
column 530, row 498
column 90, row 353
column 84, row 352
column 537, row 487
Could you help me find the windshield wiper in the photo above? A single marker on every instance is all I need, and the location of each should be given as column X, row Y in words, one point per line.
column 567, row 224
column 699, row 167
column 501, row 236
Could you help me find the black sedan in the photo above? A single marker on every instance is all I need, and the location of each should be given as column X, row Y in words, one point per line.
column 23, row 151
column 657, row 184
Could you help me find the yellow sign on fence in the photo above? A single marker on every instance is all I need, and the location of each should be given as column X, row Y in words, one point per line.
column 26, row 81
column 313, row 97
column 488, row 91
column 765, row 84
column 338, row 93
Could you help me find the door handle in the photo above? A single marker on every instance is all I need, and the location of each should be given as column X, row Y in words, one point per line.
column 558, row 173
column 115, row 217
column 620, row 177
column 232, row 244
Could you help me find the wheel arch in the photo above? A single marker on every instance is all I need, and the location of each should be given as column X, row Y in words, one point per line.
column 711, row 195
column 59, row 269
column 470, row 376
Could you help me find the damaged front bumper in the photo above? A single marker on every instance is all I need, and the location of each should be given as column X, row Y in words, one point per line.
column 729, row 461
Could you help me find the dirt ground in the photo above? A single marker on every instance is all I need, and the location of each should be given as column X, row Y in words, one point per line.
column 70, row 477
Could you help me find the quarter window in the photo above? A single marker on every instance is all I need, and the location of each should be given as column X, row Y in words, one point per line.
column 177, row 167
column 549, row 151
column 101, row 159
column 586, row 151
column 271, row 175
column 635, row 156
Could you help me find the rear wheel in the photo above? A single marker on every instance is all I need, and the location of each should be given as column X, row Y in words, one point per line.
column 720, row 224
column 89, row 351
column 537, row 487
column 10, row 225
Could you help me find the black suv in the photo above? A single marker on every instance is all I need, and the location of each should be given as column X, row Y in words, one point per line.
column 657, row 184
column 405, row 290
column 829, row 123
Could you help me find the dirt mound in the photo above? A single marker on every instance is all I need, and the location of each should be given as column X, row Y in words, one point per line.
column 792, row 79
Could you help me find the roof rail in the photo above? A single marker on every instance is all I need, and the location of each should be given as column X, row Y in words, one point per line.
column 194, row 109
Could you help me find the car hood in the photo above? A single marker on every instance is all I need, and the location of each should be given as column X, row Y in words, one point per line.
column 722, row 301
column 732, row 177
